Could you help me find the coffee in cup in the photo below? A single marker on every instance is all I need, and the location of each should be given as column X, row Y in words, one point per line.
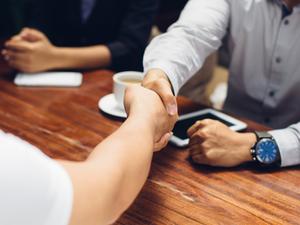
column 122, row 80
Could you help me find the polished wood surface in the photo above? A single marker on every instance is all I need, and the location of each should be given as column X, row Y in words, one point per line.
column 66, row 124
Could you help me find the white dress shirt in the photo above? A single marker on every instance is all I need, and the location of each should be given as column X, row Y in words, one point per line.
column 264, row 83
column 34, row 189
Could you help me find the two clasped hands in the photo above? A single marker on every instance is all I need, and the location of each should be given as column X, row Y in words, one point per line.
column 211, row 142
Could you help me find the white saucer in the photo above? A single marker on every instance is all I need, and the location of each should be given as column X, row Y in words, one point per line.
column 108, row 104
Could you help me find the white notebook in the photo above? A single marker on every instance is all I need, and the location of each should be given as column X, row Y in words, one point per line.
column 49, row 79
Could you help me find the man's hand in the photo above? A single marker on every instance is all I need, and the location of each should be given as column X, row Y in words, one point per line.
column 146, row 104
column 157, row 81
column 213, row 143
column 30, row 51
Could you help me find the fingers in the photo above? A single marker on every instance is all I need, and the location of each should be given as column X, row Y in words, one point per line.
column 128, row 99
column 200, row 159
column 20, row 46
column 5, row 55
column 16, row 38
column 197, row 153
column 168, row 99
column 193, row 129
column 198, row 136
column 31, row 35
column 158, row 82
column 195, row 140
column 162, row 88
column 200, row 124
column 13, row 55
column 16, row 60
column 18, row 65
column 162, row 142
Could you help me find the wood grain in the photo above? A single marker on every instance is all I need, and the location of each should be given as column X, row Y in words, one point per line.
column 66, row 124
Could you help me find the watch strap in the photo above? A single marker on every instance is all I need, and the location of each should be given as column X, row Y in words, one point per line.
column 262, row 134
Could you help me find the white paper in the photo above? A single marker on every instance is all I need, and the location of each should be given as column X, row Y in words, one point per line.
column 49, row 79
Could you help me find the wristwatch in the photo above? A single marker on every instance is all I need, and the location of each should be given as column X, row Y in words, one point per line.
column 265, row 151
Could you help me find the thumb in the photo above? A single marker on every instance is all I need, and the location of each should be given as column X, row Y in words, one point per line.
column 162, row 142
column 169, row 100
column 32, row 35
column 163, row 88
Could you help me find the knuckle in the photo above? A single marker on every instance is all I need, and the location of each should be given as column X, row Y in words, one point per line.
column 169, row 97
column 207, row 121
column 128, row 90
column 201, row 134
column 205, row 145
column 30, row 48
column 195, row 138
column 198, row 123
column 155, row 85
column 151, row 85
column 197, row 158
column 206, row 155
column 195, row 151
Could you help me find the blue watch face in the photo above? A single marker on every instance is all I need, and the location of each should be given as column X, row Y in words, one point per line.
column 266, row 151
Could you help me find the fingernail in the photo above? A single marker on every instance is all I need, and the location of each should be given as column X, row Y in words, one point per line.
column 172, row 109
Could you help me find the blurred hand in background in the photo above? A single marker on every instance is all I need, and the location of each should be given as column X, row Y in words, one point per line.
column 30, row 51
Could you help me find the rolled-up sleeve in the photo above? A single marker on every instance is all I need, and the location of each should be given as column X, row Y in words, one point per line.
column 288, row 141
column 128, row 49
column 181, row 52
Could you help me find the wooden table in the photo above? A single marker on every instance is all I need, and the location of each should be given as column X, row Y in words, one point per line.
column 66, row 124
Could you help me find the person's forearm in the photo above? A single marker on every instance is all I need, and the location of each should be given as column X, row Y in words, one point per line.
column 110, row 179
column 91, row 57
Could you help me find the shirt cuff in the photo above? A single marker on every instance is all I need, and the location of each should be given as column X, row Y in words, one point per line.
column 167, row 70
column 289, row 146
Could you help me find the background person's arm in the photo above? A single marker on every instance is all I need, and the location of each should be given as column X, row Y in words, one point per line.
column 109, row 180
column 31, row 51
column 92, row 57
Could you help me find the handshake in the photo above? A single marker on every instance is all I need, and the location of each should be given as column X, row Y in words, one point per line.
column 211, row 142
column 154, row 113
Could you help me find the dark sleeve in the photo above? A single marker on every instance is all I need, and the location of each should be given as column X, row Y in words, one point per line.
column 38, row 16
column 127, row 51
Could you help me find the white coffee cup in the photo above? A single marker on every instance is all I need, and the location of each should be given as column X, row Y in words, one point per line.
column 122, row 80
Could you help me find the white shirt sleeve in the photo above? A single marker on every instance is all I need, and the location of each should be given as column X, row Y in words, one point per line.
column 181, row 52
column 288, row 141
column 34, row 190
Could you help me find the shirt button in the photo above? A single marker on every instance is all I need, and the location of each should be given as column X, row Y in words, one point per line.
column 286, row 22
column 271, row 93
column 278, row 60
